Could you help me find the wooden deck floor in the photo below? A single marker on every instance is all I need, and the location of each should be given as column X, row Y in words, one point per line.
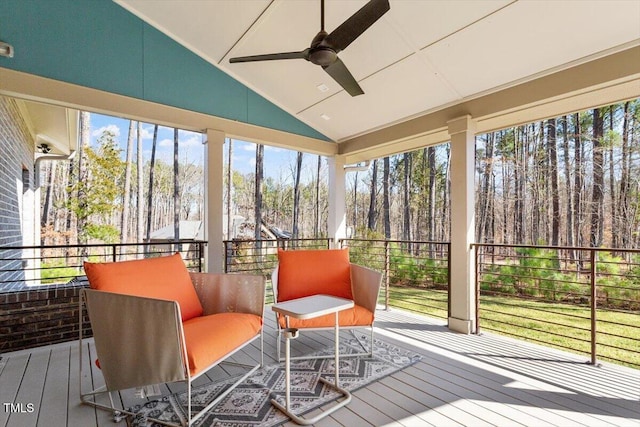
column 462, row 380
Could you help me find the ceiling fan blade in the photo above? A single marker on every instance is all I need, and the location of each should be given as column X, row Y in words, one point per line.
column 271, row 56
column 341, row 74
column 357, row 24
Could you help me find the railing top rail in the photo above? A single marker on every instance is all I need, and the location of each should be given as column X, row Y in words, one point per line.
column 306, row 239
column 570, row 248
column 429, row 242
column 102, row 245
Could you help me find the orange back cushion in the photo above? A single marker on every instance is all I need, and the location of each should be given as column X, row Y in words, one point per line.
column 165, row 278
column 310, row 272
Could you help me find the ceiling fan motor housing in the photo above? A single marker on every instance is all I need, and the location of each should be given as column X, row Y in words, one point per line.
column 322, row 56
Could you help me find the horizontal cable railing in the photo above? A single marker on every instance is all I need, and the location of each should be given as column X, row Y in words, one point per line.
column 416, row 273
column 585, row 300
column 261, row 256
column 25, row 266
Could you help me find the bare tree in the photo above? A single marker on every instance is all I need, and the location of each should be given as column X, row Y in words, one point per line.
column 371, row 218
column 316, row 222
column 296, row 195
column 623, row 210
column 577, row 179
column 406, row 217
column 151, row 177
column 176, row 188
column 597, row 195
column 124, row 222
column 140, row 197
column 83, row 177
column 230, row 190
column 385, row 197
column 258, row 189
column 567, row 180
column 553, row 171
column 431, row 194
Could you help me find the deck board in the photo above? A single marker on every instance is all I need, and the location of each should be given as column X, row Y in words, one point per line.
column 56, row 383
column 30, row 391
column 462, row 380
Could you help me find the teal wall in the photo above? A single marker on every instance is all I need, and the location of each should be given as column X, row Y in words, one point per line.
column 98, row 44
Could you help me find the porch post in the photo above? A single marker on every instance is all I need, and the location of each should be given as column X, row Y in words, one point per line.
column 337, row 221
column 214, row 185
column 462, row 294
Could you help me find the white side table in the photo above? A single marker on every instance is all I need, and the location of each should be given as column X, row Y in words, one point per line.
column 308, row 308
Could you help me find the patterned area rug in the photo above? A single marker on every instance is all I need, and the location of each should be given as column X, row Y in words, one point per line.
column 250, row 403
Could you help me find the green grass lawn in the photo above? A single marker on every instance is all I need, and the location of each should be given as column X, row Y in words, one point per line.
column 557, row 325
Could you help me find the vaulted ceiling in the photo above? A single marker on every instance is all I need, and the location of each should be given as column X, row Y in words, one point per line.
column 421, row 57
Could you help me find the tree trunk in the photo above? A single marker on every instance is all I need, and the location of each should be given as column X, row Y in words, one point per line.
column 176, row 190
column 355, row 200
column 258, row 190
column 48, row 200
column 567, row 174
column 519, row 181
column 445, row 218
column 316, row 221
column 296, row 196
column 385, row 196
column 151, row 177
column 83, row 178
column 485, row 196
column 140, row 198
column 555, row 196
column 431, row 194
column 406, row 226
column 597, row 198
column 371, row 218
column 616, row 222
column 623, row 198
column 71, row 183
column 577, row 180
column 230, row 191
column 126, row 205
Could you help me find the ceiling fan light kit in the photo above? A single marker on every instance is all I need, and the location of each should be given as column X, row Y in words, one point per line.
column 325, row 46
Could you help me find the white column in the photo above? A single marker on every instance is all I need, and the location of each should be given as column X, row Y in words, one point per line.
column 337, row 221
column 214, row 203
column 462, row 294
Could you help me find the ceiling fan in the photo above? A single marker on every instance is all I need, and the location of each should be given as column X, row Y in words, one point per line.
column 325, row 47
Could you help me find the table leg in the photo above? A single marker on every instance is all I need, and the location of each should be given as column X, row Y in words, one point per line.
column 337, row 341
column 293, row 333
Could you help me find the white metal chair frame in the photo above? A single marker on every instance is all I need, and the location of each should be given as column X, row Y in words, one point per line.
column 365, row 287
column 118, row 317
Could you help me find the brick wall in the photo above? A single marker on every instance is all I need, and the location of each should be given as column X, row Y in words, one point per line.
column 32, row 316
column 39, row 316
column 16, row 158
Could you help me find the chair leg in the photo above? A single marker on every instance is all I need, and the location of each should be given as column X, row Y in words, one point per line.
column 261, row 348
column 372, row 340
column 189, row 402
column 278, row 339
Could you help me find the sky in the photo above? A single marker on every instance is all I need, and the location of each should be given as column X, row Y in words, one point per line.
column 278, row 162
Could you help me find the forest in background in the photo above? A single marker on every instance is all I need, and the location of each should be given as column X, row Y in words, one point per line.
column 572, row 180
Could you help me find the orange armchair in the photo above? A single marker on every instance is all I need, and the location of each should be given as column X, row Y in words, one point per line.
column 302, row 273
column 153, row 322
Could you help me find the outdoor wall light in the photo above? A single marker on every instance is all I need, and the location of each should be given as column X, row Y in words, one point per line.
column 6, row 50
column 44, row 148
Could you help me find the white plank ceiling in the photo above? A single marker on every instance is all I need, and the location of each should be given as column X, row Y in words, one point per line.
column 421, row 56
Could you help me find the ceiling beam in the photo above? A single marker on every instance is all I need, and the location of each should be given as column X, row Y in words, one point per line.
column 607, row 80
column 35, row 88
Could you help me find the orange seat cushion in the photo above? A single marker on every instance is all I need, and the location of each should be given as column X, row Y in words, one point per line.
column 356, row 316
column 210, row 338
column 165, row 278
column 302, row 273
